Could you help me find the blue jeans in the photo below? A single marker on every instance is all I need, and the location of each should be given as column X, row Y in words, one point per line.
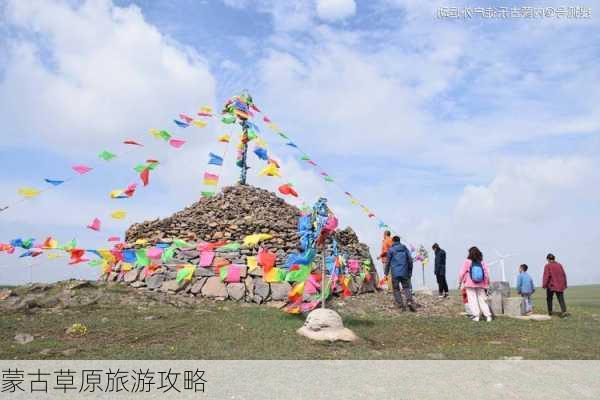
column 526, row 303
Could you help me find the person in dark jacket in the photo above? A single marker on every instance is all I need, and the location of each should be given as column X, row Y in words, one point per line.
column 400, row 265
column 555, row 282
column 440, row 269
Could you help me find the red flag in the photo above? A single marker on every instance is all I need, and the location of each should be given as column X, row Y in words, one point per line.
column 130, row 190
column 287, row 189
column 145, row 176
column 95, row 225
column 77, row 256
column 133, row 142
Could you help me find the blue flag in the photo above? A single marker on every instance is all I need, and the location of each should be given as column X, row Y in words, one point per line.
column 181, row 124
column 261, row 153
column 215, row 159
column 54, row 182
column 291, row 144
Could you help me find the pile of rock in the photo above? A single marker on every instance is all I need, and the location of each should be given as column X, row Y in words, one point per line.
column 233, row 214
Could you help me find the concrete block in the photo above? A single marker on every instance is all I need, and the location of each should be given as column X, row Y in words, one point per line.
column 512, row 306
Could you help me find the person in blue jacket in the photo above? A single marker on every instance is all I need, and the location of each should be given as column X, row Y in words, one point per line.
column 400, row 265
column 525, row 288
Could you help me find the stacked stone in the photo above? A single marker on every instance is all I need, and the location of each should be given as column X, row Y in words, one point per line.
column 207, row 283
column 233, row 214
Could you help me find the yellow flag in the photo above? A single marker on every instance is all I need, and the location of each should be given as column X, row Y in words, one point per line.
column 28, row 192
column 53, row 256
column 224, row 138
column 206, row 109
column 126, row 267
column 155, row 133
column 251, row 262
column 141, row 241
column 270, row 170
column 119, row 214
column 107, row 255
column 200, row 124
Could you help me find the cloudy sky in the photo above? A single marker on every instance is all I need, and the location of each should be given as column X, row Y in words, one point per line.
column 461, row 131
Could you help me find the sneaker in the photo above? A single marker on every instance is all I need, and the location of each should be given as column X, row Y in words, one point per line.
column 488, row 319
column 476, row 319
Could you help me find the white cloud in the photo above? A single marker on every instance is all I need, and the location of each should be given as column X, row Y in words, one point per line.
column 527, row 190
column 96, row 73
column 333, row 10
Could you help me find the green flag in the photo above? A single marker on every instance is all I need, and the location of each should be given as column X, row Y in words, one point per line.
column 207, row 194
column 107, row 155
column 233, row 246
column 181, row 244
column 228, row 119
column 223, row 273
column 299, row 275
column 167, row 254
column 164, row 135
column 141, row 259
column 139, row 168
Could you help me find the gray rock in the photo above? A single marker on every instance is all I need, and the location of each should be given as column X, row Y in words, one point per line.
column 173, row 286
column 236, row 291
column 512, row 306
column 280, row 290
column 201, row 271
column 155, row 281
column 214, row 288
column 500, row 286
column 261, row 288
column 132, row 276
column 249, row 283
column 496, row 303
column 197, row 286
column 138, row 284
column 23, row 338
column 256, row 272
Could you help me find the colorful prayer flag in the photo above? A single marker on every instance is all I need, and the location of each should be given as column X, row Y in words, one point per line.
column 181, row 124
column 54, row 182
column 210, row 179
column 132, row 142
column 107, row 155
column 215, row 159
column 81, row 169
column 200, row 124
column 28, row 192
column 94, row 225
column 224, row 138
column 119, row 214
column 177, row 143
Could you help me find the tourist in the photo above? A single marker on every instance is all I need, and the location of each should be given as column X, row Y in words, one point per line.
column 555, row 281
column 386, row 243
column 440, row 269
column 475, row 278
column 399, row 263
column 525, row 288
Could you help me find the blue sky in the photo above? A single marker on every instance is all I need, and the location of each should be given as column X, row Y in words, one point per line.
column 458, row 131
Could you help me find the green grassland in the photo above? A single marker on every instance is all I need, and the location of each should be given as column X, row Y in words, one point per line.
column 150, row 329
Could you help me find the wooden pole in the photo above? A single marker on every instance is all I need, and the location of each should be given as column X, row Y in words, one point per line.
column 244, row 166
column 323, row 267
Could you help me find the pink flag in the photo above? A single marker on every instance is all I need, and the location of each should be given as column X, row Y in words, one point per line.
column 233, row 273
column 311, row 162
column 353, row 266
column 186, row 118
column 154, row 252
column 114, row 239
column 209, row 176
column 95, row 225
column 266, row 119
column 177, row 143
column 206, row 258
column 81, row 169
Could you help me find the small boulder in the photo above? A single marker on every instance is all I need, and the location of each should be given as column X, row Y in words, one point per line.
column 138, row 284
column 197, row 286
column 261, row 288
column 214, row 288
column 326, row 324
column 236, row 291
column 132, row 276
column 155, row 281
column 201, row 271
column 23, row 338
column 280, row 290
column 172, row 286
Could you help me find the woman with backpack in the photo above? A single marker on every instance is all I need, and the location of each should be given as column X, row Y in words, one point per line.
column 475, row 278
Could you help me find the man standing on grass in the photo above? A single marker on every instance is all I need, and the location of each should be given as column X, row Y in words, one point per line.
column 440, row 269
column 400, row 264
column 555, row 282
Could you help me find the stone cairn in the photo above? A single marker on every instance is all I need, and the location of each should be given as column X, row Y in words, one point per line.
column 231, row 215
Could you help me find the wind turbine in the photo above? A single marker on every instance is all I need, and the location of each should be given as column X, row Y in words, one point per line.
column 500, row 260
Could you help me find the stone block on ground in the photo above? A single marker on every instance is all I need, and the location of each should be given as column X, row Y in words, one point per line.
column 496, row 303
column 137, row 284
column 280, row 290
column 155, row 281
column 236, row 291
column 197, row 286
column 173, row 286
column 326, row 324
column 214, row 288
column 512, row 306
column 261, row 289
column 132, row 276
column 201, row 271
column 500, row 286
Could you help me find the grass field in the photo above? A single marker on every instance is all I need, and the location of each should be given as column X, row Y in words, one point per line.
column 228, row 330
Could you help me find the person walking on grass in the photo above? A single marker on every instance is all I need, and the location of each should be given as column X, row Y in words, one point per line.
column 525, row 288
column 555, row 282
column 440, row 269
column 400, row 264
column 474, row 276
